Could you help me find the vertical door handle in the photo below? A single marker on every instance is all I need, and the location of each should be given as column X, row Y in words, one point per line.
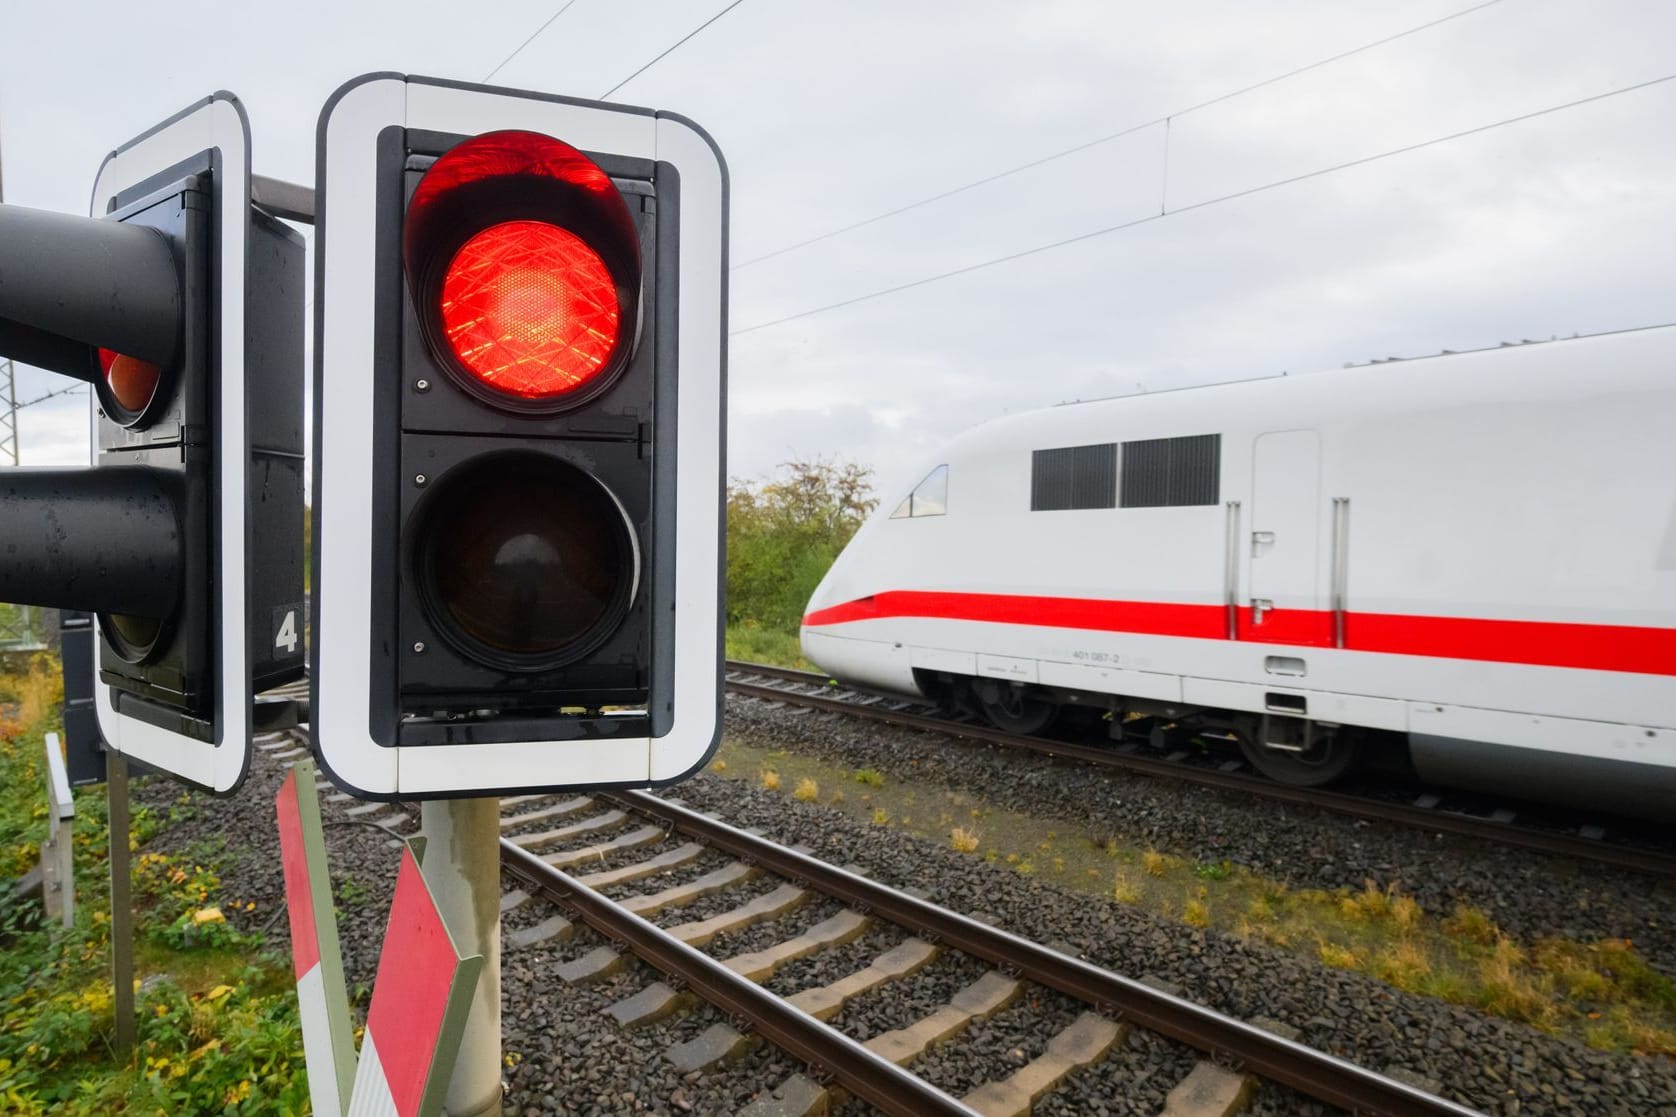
column 1259, row 606
column 1261, row 540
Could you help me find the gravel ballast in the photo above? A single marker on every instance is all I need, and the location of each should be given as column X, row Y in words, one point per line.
column 571, row 1058
column 1529, row 895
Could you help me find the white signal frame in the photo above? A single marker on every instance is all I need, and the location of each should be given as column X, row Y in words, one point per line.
column 346, row 274
column 219, row 123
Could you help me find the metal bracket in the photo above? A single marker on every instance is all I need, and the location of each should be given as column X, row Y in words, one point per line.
column 288, row 200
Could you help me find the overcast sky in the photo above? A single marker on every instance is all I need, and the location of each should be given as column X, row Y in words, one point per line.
column 833, row 113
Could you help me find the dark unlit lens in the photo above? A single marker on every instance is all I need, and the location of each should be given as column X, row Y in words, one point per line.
column 132, row 637
column 526, row 555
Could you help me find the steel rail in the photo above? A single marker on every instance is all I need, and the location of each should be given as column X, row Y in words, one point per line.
column 867, row 1075
column 1339, row 802
column 1320, row 1075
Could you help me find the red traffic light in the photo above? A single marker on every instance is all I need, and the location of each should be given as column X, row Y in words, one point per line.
column 528, row 308
column 132, row 382
column 524, row 266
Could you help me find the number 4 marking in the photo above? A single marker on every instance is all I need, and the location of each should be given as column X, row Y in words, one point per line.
column 287, row 637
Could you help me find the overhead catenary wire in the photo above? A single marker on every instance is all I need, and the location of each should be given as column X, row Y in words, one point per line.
column 563, row 8
column 671, row 49
column 1117, row 135
column 665, row 53
column 72, row 389
column 1204, row 204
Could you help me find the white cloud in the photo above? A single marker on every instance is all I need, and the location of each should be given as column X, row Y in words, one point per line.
column 829, row 114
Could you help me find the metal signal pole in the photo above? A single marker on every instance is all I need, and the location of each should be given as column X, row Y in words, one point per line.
column 462, row 867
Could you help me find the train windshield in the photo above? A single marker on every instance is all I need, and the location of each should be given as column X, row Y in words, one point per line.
column 929, row 498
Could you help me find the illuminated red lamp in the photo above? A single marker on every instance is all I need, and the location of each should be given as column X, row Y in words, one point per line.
column 524, row 265
column 132, row 382
column 530, row 309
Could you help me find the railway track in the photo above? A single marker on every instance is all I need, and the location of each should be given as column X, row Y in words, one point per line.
column 813, row 690
column 578, row 860
column 877, row 1070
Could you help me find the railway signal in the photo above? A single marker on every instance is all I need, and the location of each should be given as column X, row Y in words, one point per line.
column 519, row 364
column 181, row 305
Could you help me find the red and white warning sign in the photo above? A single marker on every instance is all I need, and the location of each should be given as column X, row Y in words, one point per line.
column 328, row 1043
column 420, row 998
column 419, row 1007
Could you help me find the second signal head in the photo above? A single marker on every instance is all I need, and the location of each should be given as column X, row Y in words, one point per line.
column 525, row 269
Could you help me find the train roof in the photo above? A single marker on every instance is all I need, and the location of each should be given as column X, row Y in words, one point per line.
column 1635, row 360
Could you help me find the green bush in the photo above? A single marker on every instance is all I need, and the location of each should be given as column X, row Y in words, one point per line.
column 783, row 534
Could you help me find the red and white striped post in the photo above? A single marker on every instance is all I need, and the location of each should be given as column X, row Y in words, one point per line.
column 328, row 1040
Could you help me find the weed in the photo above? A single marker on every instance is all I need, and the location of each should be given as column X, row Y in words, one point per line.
column 1260, row 910
column 964, row 840
column 837, row 797
column 1156, row 864
column 1369, row 905
column 769, row 778
column 1472, row 925
column 1404, row 964
column 719, row 766
column 1025, row 867
column 1196, row 913
column 807, row 790
column 1506, row 989
column 871, row 777
column 1124, row 890
column 1406, row 913
column 1217, row 870
column 881, row 817
column 1339, row 957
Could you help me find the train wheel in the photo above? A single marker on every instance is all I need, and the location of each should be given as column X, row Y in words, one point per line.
column 1328, row 755
column 1008, row 708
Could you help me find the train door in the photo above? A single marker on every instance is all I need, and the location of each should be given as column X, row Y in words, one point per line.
column 1284, row 605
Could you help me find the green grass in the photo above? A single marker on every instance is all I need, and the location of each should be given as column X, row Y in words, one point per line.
column 216, row 1018
column 766, row 645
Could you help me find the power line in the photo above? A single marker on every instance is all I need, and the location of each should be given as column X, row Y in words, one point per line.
column 50, row 395
column 1205, row 203
column 671, row 50
column 1109, row 137
column 565, row 7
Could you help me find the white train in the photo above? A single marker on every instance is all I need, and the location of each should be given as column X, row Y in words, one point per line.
column 1469, row 557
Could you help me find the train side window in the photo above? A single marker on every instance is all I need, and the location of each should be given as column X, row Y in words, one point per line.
column 1071, row 477
column 1172, row 472
column 929, row 498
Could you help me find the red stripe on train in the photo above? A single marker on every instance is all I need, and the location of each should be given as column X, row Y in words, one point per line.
column 1597, row 647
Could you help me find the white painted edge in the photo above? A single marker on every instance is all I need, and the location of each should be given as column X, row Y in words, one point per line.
column 219, row 123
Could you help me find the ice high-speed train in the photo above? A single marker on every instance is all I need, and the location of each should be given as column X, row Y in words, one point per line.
column 1466, row 560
